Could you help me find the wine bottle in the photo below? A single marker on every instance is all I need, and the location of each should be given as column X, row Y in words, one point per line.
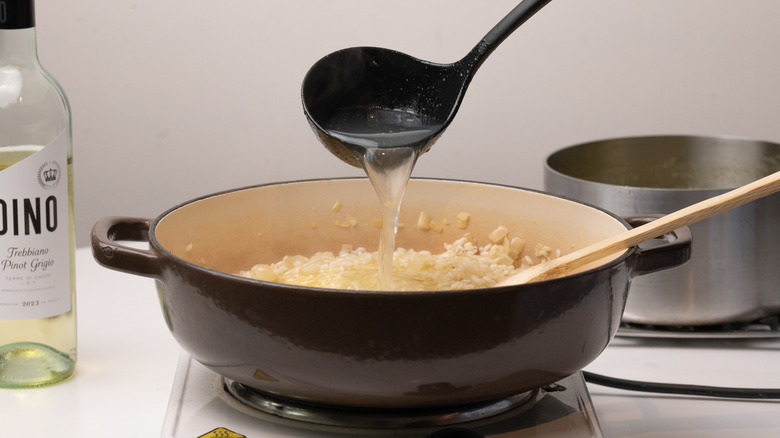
column 37, row 279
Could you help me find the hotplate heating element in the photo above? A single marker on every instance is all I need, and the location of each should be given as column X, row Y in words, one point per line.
column 205, row 405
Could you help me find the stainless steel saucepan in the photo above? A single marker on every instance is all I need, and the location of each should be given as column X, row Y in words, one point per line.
column 734, row 272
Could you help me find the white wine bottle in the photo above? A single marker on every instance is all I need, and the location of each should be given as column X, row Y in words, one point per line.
column 37, row 280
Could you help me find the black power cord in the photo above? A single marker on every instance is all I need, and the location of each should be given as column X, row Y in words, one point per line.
column 672, row 388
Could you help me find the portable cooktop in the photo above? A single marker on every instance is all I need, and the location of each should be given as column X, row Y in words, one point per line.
column 205, row 405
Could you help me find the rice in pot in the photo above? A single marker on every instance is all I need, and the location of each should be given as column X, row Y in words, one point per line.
column 462, row 265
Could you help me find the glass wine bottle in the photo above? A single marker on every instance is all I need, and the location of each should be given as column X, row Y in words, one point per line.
column 37, row 280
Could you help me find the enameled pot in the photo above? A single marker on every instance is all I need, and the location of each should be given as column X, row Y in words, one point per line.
column 375, row 349
column 733, row 274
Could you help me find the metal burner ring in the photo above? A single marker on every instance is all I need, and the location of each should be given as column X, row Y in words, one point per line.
column 374, row 418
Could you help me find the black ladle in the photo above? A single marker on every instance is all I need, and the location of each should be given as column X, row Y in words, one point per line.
column 368, row 97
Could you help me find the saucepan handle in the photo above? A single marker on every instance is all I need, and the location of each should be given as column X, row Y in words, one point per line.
column 668, row 251
column 105, row 234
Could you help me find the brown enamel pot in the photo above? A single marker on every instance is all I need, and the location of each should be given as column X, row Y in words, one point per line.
column 379, row 349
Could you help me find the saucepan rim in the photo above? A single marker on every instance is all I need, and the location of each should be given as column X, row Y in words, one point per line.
column 684, row 138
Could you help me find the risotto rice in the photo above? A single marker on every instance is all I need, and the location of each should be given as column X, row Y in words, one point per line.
column 462, row 265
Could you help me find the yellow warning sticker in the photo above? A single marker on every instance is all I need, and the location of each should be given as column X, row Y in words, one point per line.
column 221, row 432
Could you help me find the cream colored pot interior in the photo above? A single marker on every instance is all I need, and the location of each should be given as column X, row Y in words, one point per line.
column 233, row 231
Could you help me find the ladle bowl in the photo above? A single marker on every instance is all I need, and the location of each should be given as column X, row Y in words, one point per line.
column 371, row 79
column 387, row 92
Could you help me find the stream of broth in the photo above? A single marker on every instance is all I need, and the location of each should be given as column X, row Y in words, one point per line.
column 387, row 143
column 389, row 171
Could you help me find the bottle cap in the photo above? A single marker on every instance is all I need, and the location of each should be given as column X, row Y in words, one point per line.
column 17, row 14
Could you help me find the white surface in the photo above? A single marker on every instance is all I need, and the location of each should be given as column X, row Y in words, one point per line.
column 128, row 358
column 177, row 99
column 748, row 364
column 125, row 369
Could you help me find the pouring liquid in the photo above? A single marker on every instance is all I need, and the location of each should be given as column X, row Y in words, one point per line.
column 387, row 143
column 389, row 171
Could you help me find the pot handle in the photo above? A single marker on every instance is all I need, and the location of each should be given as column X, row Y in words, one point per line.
column 675, row 252
column 110, row 254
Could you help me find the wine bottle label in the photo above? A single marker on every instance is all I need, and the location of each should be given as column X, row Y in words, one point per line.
column 34, row 232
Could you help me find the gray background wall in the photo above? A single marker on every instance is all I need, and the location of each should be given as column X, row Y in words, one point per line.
column 174, row 99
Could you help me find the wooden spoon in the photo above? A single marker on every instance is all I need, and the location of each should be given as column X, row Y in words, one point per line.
column 701, row 210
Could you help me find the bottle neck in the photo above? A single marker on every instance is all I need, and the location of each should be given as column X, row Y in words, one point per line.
column 17, row 32
column 18, row 46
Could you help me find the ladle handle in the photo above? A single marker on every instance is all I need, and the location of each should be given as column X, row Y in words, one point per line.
column 665, row 224
column 519, row 15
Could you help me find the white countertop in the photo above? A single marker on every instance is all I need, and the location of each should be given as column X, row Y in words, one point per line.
column 127, row 361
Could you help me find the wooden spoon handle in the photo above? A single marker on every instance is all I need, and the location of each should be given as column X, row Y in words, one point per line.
column 686, row 216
